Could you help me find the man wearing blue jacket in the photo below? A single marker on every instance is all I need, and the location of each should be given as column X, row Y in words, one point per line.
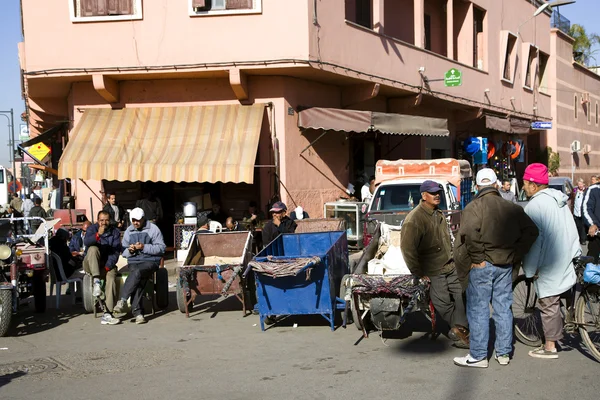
column 103, row 246
column 143, row 246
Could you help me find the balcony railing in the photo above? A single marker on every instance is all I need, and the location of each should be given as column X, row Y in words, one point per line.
column 560, row 22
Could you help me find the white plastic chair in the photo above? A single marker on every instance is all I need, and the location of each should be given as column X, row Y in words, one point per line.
column 58, row 281
column 215, row 226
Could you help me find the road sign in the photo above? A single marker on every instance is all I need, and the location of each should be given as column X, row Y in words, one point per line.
column 541, row 125
column 24, row 132
column 14, row 186
column 453, row 78
column 39, row 150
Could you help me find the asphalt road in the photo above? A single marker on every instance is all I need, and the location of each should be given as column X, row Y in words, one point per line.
column 218, row 354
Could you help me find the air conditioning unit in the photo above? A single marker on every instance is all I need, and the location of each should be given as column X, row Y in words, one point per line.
column 575, row 146
column 587, row 149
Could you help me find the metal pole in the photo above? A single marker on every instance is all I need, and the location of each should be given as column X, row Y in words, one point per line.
column 12, row 132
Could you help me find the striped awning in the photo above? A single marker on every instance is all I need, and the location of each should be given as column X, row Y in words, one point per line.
column 163, row 144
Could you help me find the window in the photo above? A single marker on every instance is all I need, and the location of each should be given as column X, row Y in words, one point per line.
column 105, row 10
column 596, row 113
column 530, row 54
column 587, row 106
column 478, row 38
column 215, row 7
column 509, row 61
column 542, row 76
column 576, row 106
column 400, row 197
column 359, row 12
column 427, row 32
column 1, row 176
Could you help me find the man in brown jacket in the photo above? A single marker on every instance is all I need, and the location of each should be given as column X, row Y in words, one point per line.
column 495, row 235
column 427, row 249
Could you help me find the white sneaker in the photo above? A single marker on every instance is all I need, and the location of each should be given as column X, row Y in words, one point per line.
column 121, row 307
column 469, row 361
column 96, row 289
column 108, row 319
column 140, row 319
column 503, row 359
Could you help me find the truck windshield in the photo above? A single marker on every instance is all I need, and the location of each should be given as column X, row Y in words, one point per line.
column 400, row 198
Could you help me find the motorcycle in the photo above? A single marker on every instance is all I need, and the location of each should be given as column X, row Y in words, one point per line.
column 23, row 267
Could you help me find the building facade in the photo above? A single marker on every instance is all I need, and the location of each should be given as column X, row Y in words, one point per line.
column 382, row 56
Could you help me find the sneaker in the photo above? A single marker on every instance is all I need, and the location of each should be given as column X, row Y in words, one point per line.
column 121, row 307
column 541, row 352
column 108, row 319
column 469, row 361
column 503, row 359
column 140, row 319
column 96, row 289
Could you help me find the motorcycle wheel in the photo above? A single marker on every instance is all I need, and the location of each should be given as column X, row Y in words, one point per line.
column 5, row 311
column 39, row 292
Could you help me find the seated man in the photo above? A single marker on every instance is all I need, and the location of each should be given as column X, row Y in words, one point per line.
column 143, row 246
column 232, row 225
column 103, row 245
column 76, row 245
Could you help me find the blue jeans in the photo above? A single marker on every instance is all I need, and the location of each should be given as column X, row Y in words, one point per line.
column 490, row 284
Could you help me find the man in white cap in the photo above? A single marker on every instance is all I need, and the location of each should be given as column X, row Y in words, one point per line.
column 495, row 234
column 143, row 247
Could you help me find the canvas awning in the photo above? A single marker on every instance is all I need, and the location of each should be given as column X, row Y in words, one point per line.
column 509, row 125
column 364, row 121
column 163, row 144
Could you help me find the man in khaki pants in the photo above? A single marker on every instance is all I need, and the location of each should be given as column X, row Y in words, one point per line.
column 103, row 244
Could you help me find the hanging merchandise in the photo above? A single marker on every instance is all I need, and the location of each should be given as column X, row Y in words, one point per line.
column 508, row 149
column 481, row 157
column 491, row 149
column 472, row 145
column 521, row 157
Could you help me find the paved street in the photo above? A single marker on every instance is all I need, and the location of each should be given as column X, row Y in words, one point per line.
column 219, row 354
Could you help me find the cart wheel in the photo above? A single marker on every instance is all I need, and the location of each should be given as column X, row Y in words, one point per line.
column 89, row 302
column 161, row 286
column 5, row 310
column 181, row 299
column 39, row 292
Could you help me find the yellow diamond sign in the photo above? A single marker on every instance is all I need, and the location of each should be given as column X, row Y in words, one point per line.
column 39, row 150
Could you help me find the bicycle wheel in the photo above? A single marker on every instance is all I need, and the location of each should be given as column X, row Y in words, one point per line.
column 526, row 317
column 587, row 316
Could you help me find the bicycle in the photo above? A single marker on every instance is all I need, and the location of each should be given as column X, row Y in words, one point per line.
column 583, row 318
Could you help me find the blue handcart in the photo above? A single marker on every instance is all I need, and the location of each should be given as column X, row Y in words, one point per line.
column 300, row 274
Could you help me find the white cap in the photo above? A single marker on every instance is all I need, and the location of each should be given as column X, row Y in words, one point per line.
column 486, row 177
column 137, row 213
column 299, row 213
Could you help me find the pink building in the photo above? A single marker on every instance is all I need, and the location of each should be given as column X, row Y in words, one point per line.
column 293, row 72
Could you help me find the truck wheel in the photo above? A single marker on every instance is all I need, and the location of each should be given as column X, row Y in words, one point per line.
column 182, row 298
column 89, row 303
column 161, row 286
column 5, row 311
column 39, row 292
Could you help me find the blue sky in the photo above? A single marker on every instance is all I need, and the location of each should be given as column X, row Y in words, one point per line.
column 584, row 12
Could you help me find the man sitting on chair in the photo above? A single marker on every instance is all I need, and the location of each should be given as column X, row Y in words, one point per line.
column 143, row 246
column 103, row 246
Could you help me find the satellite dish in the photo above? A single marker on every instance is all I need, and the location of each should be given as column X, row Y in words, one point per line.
column 575, row 146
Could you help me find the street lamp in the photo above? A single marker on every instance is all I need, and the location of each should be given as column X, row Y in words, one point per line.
column 543, row 8
column 11, row 125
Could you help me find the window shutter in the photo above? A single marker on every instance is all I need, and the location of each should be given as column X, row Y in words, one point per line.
column 199, row 3
column 112, row 7
column 239, row 4
column 125, row 7
column 101, row 7
column 87, row 8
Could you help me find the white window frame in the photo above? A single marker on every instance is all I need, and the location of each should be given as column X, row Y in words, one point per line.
column 256, row 9
column 531, row 65
column 512, row 59
column 137, row 15
column 543, row 78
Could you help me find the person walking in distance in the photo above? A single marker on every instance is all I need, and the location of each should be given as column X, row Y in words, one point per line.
column 506, row 193
column 427, row 249
column 591, row 218
column 550, row 261
column 497, row 234
column 578, row 210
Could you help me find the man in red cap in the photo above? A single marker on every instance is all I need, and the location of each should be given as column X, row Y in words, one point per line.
column 427, row 249
column 280, row 223
column 550, row 259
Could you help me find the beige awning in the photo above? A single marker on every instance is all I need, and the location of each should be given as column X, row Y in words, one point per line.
column 364, row 121
column 163, row 144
